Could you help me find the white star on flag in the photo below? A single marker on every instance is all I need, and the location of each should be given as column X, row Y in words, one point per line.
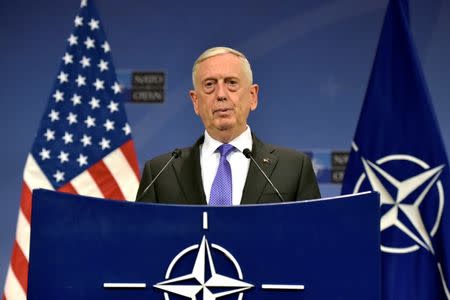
column 86, row 140
column 103, row 65
column 76, row 99
column 81, row 80
column 45, row 154
column 49, row 135
column 113, row 106
column 106, row 47
column 73, row 40
column 93, row 24
column 67, row 58
column 68, row 138
column 63, row 157
column 90, row 43
column 90, row 121
column 82, row 160
column 54, row 115
column 104, row 143
column 94, row 103
column 78, row 21
column 63, row 77
column 59, row 96
column 99, row 84
column 116, row 88
column 72, row 118
column 85, row 62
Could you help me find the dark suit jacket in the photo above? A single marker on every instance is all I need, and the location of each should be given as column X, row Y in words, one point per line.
column 181, row 183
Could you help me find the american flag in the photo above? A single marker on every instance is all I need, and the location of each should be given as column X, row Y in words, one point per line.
column 83, row 145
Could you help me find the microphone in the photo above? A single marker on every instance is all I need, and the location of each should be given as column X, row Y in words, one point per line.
column 175, row 154
column 249, row 155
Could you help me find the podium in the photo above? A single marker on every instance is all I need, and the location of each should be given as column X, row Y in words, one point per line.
column 89, row 248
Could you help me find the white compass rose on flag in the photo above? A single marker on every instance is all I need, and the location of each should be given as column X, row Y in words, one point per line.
column 401, row 200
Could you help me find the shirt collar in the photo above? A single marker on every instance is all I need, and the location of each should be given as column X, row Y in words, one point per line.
column 244, row 140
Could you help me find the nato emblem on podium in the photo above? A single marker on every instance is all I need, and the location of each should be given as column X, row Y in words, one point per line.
column 204, row 279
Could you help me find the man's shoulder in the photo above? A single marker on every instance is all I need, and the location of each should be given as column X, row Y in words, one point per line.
column 286, row 152
column 279, row 151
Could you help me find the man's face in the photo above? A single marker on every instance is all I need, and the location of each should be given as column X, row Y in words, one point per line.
column 223, row 96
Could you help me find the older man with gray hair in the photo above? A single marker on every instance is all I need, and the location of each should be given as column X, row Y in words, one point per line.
column 216, row 169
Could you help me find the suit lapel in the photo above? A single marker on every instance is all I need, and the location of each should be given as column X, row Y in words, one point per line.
column 256, row 183
column 189, row 175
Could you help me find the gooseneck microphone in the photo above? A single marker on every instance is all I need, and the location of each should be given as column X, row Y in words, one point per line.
column 175, row 154
column 249, row 155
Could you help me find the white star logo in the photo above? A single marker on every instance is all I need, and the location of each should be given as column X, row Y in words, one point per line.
column 206, row 284
column 83, row 3
column 405, row 201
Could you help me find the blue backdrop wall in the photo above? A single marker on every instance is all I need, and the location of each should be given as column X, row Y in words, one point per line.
column 312, row 60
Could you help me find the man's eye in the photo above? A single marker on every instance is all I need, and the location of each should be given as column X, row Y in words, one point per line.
column 209, row 84
column 233, row 84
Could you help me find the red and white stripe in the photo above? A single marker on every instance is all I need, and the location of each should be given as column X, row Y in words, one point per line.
column 116, row 176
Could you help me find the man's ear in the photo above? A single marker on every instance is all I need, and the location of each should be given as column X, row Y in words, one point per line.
column 194, row 98
column 254, row 88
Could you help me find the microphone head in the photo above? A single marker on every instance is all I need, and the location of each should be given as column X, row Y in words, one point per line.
column 176, row 153
column 247, row 153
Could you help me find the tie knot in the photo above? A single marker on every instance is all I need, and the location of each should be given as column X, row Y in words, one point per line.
column 225, row 149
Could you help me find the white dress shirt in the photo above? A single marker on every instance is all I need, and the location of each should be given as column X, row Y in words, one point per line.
column 209, row 162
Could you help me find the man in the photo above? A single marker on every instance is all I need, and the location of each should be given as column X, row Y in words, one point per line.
column 214, row 170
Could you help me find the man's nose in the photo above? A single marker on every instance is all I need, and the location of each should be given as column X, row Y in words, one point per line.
column 221, row 91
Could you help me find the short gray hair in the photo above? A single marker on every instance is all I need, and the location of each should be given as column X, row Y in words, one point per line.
column 223, row 50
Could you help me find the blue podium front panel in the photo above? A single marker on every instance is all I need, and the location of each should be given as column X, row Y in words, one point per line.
column 88, row 248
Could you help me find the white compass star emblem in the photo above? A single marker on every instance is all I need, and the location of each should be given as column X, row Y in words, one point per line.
column 205, row 283
column 421, row 183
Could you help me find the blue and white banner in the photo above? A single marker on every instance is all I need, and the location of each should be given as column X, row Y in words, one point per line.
column 398, row 151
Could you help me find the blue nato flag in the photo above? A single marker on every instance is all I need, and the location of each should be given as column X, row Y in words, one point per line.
column 398, row 151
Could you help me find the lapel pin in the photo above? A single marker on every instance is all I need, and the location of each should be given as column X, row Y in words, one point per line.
column 266, row 160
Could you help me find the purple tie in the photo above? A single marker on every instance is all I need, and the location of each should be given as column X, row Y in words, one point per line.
column 221, row 189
